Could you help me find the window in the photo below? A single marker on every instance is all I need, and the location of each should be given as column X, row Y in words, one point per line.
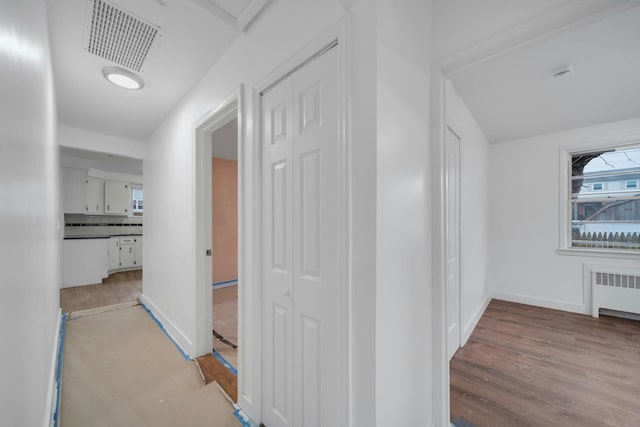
column 608, row 216
column 136, row 200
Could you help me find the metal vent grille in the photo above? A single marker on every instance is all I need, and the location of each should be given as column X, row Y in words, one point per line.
column 118, row 36
column 618, row 280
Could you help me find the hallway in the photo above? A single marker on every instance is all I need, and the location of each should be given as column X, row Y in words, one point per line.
column 120, row 369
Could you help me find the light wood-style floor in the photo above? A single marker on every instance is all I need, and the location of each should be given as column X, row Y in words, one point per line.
column 530, row 366
column 119, row 287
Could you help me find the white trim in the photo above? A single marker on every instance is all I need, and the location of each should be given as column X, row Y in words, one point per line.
column 337, row 31
column 52, row 395
column 564, row 175
column 561, row 19
column 240, row 22
column 540, row 302
column 178, row 337
column 473, row 322
column 440, row 360
column 599, row 253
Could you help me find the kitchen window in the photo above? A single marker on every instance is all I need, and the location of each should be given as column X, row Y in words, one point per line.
column 137, row 200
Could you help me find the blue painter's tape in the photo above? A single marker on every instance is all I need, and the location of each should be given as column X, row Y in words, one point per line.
column 63, row 330
column 161, row 326
column 225, row 282
column 244, row 419
column 226, row 364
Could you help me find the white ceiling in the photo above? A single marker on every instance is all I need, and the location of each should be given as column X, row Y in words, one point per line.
column 191, row 42
column 511, row 92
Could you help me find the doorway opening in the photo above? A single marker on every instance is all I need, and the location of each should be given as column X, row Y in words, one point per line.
column 218, row 183
column 224, row 226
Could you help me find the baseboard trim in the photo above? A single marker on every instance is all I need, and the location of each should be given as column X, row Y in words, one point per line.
column 177, row 337
column 50, row 402
column 52, row 406
column 539, row 302
column 473, row 322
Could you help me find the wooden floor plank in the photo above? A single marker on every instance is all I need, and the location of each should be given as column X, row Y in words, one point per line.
column 531, row 366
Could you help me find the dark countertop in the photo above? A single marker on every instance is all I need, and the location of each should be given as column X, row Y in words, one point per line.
column 99, row 236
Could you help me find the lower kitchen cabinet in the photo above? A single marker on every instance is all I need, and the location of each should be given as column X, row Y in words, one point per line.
column 114, row 253
column 84, row 261
column 127, row 254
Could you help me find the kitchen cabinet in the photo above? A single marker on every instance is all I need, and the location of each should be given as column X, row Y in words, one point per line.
column 73, row 190
column 84, row 261
column 114, row 253
column 127, row 254
column 137, row 243
column 116, row 198
column 94, row 195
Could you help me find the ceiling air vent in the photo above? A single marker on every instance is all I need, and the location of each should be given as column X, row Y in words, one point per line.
column 117, row 36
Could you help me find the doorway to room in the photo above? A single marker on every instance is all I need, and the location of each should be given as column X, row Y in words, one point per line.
column 224, row 240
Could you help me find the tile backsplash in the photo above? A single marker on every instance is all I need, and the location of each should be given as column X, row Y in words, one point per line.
column 100, row 225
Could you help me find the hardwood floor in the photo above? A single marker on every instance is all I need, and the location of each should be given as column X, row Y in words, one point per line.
column 117, row 288
column 530, row 366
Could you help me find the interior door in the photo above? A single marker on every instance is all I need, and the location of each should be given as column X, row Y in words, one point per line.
column 452, row 230
column 300, row 228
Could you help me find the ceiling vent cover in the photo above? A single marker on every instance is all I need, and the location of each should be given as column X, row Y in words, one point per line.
column 118, row 36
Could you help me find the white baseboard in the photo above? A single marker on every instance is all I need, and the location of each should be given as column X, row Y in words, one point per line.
column 539, row 302
column 52, row 395
column 175, row 334
column 471, row 324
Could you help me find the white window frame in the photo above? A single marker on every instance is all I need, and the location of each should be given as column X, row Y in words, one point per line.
column 593, row 185
column 565, row 154
column 132, row 187
column 626, row 184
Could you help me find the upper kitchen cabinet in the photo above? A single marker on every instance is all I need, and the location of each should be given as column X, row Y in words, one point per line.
column 117, row 198
column 94, row 195
column 73, row 190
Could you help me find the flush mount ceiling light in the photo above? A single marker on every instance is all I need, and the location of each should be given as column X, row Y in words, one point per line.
column 123, row 78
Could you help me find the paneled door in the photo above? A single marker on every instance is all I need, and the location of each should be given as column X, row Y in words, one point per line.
column 300, row 257
column 452, row 230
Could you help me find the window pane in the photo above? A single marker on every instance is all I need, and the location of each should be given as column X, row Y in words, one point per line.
column 605, row 200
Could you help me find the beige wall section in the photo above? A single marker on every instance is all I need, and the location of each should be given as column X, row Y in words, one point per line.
column 225, row 219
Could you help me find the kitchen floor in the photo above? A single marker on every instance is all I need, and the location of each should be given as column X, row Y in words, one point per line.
column 119, row 287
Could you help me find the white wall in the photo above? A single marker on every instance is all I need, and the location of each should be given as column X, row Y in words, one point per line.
column 403, row 232
column 30, row 273
column 74, row 137
column 474, row 151
column 363, row 213
column 282, row 29
column 524, row 210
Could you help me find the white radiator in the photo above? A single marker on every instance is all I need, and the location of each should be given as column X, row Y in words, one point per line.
column 615, row 291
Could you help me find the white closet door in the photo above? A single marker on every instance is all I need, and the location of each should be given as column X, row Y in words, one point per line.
column 277, row 226
column 301, row 228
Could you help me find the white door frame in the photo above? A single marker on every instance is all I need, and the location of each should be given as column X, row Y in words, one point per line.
column 336, row 34
column 228, row 108
column 451, row 126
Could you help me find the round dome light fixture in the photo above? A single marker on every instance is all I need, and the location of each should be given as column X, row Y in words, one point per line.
column 123, row 78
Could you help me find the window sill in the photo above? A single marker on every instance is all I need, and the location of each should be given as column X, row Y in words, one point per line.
column 599, row 253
